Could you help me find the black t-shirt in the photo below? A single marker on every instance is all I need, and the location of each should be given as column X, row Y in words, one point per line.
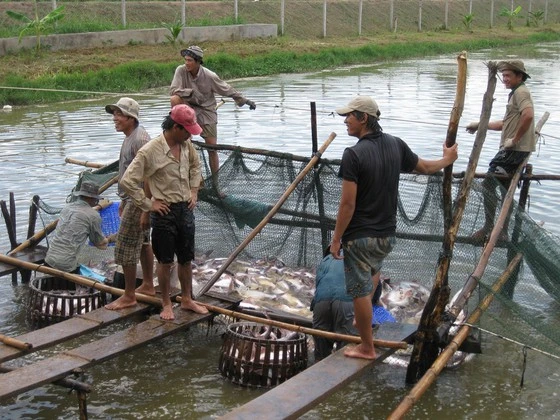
column 375, row 164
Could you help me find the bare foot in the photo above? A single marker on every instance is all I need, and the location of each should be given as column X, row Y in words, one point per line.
column 191, row 305
column 359, row 352
column 121, row 303
column 167, row 313
column 145, row 289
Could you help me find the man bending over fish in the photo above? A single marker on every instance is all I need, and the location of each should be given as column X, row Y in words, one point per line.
column 171, row 167
column 367, row 214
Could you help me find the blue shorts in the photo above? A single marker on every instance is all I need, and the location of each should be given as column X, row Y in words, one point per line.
column 363, row 259
column 173, row 234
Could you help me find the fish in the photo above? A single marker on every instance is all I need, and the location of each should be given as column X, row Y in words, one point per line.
column 405, row 300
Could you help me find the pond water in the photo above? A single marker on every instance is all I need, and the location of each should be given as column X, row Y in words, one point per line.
column 177, row 377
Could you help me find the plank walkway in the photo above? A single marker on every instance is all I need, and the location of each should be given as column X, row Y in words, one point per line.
column 299, row 394
column 66, row 330
column 53, row 368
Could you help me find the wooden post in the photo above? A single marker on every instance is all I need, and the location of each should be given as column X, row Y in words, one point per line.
column 360, row 11
column 33, row 209
column 82, row 404
column 282, row 15
column 420, row 16
column 426, row 345
column 324, row 18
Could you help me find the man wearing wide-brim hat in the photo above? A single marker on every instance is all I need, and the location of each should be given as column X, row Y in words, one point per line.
column 77, row 222
column 195, row 85
column 133, row 237
column 518, row 139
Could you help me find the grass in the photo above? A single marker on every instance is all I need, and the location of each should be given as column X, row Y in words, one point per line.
column 136, row 68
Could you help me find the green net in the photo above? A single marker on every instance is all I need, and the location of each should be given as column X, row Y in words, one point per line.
column 251, row 182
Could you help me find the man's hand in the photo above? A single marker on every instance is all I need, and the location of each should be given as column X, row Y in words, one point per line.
column 335, row 250
column 252, row 105
column 472, row 127
column 160, row 207
column 194, row 199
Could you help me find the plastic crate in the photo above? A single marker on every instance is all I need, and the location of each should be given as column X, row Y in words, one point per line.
column 110, row 220
column 381, row 315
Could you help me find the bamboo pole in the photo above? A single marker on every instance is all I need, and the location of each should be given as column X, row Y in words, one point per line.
column 426, row 345
column 84, row 281
column 13, row 342
column 38, row 237
column 269, row 216
column 85, row 163
column 478, row 272
column 303, row 330
column 430, row 376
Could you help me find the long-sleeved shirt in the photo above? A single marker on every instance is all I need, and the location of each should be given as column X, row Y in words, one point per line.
column 170, row 180
column 199, row 91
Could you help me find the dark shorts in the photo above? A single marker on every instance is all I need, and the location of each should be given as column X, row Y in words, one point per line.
column 506, row 162
column 173, row 234
column 363, row 259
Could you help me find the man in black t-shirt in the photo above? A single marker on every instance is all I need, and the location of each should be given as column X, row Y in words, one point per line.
column 367, row 214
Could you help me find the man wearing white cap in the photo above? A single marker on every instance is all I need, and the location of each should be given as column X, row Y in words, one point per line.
column 133, row 238
column 367, row 214
column 195, row 85
column 517, row 141
column 170, row 166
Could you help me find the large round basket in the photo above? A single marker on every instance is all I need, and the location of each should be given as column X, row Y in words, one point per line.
column 259, row 356
column 54, row 299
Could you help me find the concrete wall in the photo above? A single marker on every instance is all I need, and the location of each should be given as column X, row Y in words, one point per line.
column 188, row 35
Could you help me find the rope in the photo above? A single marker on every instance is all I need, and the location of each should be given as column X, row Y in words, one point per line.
column 72, row 91
column 526, row 346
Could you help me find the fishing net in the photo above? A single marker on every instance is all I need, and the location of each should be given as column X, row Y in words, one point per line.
column 252, row 181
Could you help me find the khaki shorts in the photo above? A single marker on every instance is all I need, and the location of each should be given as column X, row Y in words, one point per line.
column 131, row 237
column 209, row 131
column 363, row 259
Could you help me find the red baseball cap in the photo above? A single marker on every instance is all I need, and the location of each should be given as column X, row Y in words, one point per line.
column 185, row 116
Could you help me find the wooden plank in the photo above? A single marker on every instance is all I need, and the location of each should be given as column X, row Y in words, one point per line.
column 34, row 255
column 299, row 394
column 51, row 369
column 66, row 330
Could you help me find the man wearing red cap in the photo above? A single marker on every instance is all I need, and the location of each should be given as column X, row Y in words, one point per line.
column 171, row 167
column 195, row 85
column 518, row 140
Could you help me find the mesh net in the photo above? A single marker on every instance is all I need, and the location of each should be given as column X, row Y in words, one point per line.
column 251, row 183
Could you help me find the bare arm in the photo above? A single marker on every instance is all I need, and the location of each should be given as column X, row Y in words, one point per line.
column 430, row 166
column 345, row 213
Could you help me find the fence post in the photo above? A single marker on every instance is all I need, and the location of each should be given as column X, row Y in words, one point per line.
column 235, row 11
column 324, row 18
column 360, row 9
column 446, row 14
column 391, row 14
column 491, row 13
column 282, row 14
column 183, row 12
column 470, row 7
column 420, row 16
column 53, row 4
column 546, row 11
column 123, row 12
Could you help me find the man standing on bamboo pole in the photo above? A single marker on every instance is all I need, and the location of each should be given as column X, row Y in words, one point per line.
column 171, row 167
column 133, row 238
column 367, row 214
column 517, row 141
column 195, row 85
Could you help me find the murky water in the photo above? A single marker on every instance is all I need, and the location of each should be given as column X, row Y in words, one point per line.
column 177, row 377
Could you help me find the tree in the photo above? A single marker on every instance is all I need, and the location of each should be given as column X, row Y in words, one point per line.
column 37, row 26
